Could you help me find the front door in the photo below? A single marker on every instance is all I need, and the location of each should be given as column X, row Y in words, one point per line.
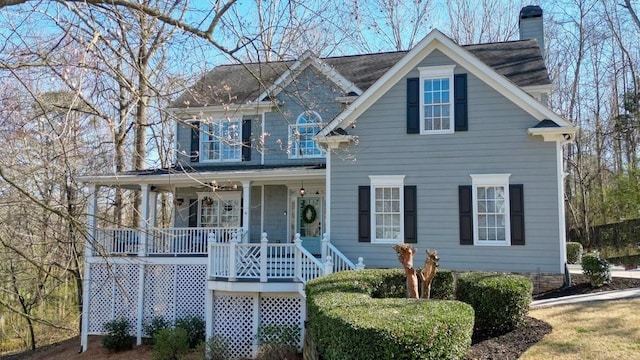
column 309, row 224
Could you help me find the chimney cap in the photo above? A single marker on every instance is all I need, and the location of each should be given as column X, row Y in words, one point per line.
column 530, row 11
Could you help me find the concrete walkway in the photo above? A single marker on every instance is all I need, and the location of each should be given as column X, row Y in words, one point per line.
column 602, row 296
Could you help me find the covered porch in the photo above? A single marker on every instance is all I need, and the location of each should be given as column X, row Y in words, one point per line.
column 233, row 206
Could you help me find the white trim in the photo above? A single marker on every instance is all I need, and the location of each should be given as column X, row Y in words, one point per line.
column 437, row 40
column 386, row 181
column 561, row 210
column 219, row 196
column 202, row 133
column 487, row 180
column 262, row 135
column 218, row 110
column 327, row 196
column 558, row 134
column 346, row 99
column 294, row 151
column 298, row 67
column 430, row 73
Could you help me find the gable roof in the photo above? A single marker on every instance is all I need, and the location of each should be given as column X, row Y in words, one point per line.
column 519, row 61
column 436, row 40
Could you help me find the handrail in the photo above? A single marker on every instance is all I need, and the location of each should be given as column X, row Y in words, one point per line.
column 308, row 267
column 340, row 261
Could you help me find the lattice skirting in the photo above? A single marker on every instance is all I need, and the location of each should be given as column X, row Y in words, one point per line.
column 169, row 291
column 237, row 317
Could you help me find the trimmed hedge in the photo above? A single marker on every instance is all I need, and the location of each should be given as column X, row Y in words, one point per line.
column 574, row 252
column 351, row 316
column 500, row 301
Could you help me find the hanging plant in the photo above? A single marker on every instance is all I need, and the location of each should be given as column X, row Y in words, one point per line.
column 207, row 201
column 309, row 214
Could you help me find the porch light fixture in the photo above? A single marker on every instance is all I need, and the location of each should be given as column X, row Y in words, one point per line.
column 302, row 190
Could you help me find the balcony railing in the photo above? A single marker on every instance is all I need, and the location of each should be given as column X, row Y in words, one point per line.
column 264, row 261
column 163, row 242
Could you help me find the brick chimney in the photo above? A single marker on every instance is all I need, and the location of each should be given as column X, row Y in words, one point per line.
column 531, row 25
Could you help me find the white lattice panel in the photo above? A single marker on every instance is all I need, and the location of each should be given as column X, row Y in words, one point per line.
column 190, row 293
column 233, row 319
column 125, row 300
column 101, row 297
column 159, row 292
column 248, row 261
column 281, row 310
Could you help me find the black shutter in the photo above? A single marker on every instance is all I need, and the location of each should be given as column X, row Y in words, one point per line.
column 195, row 141
column 516, row 206
column 410, row 214
column 246, row 140
column 193, row 213
column 465, row 201
column 364, row 213
column 460, row 102
column 413, row 106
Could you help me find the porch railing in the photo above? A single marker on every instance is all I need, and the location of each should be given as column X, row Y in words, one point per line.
column 163, row 241
column 264, row 261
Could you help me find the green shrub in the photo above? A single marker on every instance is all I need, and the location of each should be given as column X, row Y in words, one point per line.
column 574, row 252
column 170, row 344
column 596, row 269
column 195, row 328
column 347, row 322
column 217, row 348
column 500, row 301
column 444, row 285
column 118, row 335
column 156, row 324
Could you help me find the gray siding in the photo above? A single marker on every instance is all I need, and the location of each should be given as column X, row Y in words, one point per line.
column 309, row 91
column 496, row 143
column 275, row 206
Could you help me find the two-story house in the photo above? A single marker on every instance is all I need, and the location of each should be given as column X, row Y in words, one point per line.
column 289, row 170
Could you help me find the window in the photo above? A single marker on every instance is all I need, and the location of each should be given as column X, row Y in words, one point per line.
column 301, row 135
column 221, row 140
column 387, row 204
column 436, row 99
column 491, row 209
column 219, row 209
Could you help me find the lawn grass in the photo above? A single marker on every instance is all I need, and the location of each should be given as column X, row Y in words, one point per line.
column 599, row 330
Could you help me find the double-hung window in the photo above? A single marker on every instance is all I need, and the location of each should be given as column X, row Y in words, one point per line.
column 301, row 136
column 221, row 140
column 387, row 204
column 219, row 209
column 436, row 99
column 491, row 209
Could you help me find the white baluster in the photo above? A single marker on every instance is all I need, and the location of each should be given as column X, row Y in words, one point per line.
column 328, row 266
column 263, row 257
column 360, row 265
column 298, row 256
column 324, row 246
column 232, row 260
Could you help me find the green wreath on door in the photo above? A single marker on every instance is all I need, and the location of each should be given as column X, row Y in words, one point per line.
column 308, row 214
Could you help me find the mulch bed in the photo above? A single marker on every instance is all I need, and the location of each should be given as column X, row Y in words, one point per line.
column 513, row 344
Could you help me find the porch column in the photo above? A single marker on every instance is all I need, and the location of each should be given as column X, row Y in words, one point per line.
column 327, row 194
column 153, row 208
column 144, row 220
column 246, row 209
column 92, row 206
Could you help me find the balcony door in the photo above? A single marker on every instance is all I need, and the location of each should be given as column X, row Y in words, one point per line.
column 309, row 223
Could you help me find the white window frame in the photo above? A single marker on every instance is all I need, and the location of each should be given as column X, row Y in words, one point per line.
column 223, row 142
column 491, row 180
column 386, row 181
column 294, row 152
column 437, row 72
column 220, row 196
